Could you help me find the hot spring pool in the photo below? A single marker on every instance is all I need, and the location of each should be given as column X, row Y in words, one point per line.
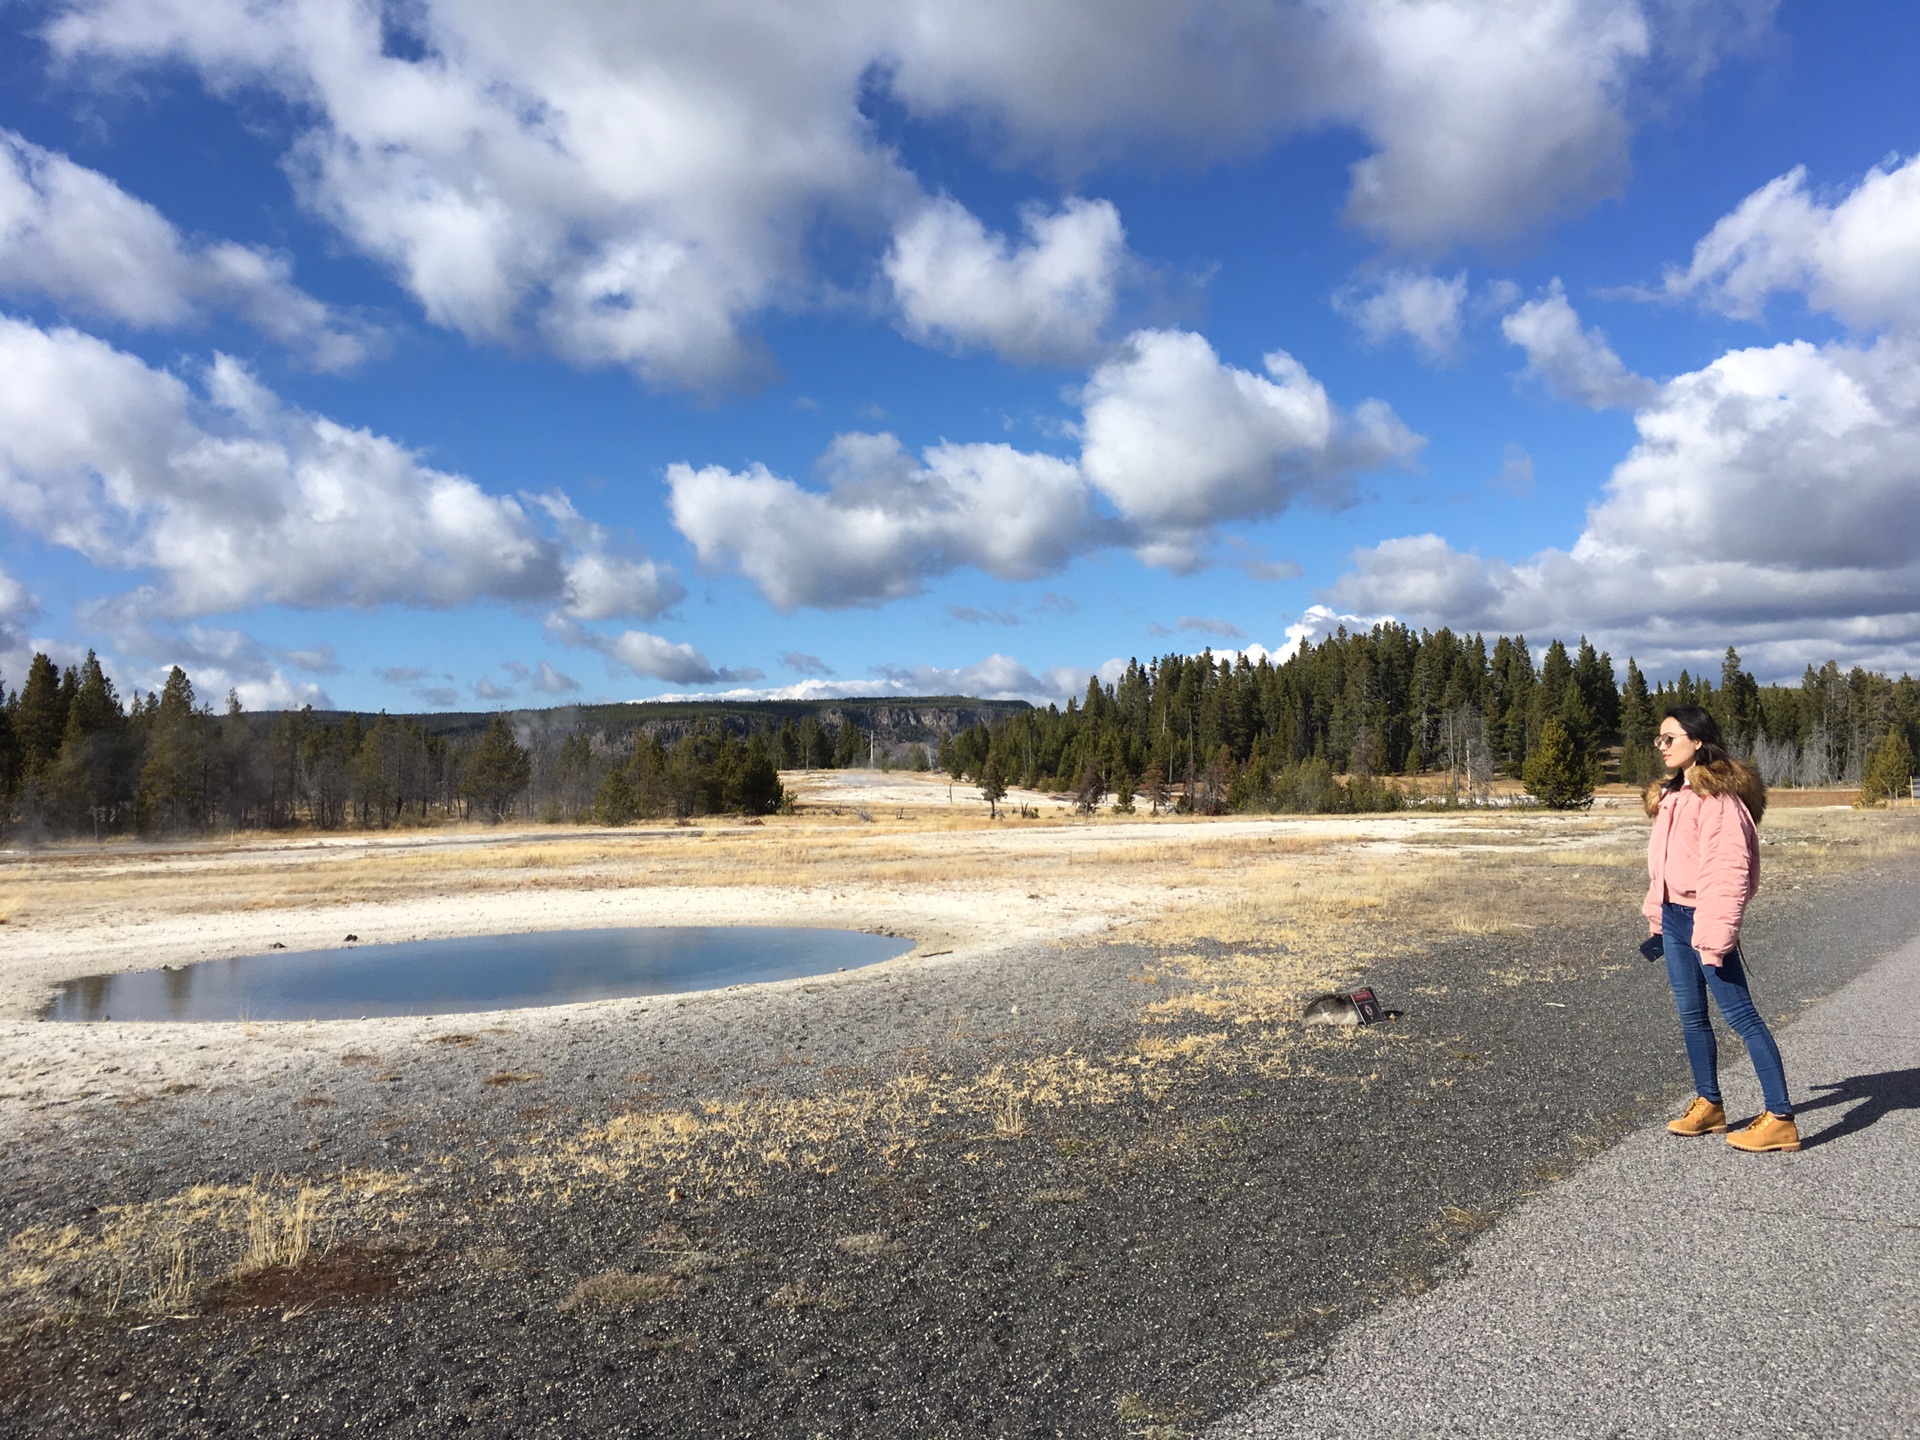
column 487, row 972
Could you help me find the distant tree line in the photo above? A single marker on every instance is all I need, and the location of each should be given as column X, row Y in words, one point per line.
column 1331, row 728
column 77, row 761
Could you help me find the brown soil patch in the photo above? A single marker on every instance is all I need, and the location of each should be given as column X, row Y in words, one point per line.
column 348, row 1276
column 1811, row 799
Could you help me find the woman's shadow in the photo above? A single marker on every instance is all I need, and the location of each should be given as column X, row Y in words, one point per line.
column 1873, row 1097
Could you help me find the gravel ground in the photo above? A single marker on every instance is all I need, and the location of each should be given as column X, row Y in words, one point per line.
column 1676, row 1287
column 1135, row 1268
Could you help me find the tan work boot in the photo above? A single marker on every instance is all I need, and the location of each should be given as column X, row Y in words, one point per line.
column 1703, row 1117
column 1769, row 1132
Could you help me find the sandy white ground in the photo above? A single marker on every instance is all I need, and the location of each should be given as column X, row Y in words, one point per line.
column 999, row 904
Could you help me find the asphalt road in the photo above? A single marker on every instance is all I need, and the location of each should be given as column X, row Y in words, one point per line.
column 1678, row 1287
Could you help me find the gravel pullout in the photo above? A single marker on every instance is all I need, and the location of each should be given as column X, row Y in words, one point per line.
column 1677, row 1287
column 1138, row 1267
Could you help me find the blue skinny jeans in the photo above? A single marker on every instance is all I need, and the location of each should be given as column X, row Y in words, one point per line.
column 1727, row 982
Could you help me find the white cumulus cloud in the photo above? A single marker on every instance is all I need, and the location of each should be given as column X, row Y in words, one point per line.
column 235, row 498
column 218, row 659
column 603, row 582
column 1572, row 363
column 625, row 184
column 1485, row 117
column 72, row 236
column 885, row 521
column 1045, row 300
column 997, row 677
column 1179, row 440
column 16, row 601
column 1769, row 502
column 635, row 184
column 1858, row 259
column 1175, row 440
column 1423, row 307
column 17, row 606
column 646, row 655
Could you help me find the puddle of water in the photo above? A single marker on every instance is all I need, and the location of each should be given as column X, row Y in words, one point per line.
column 486, row 972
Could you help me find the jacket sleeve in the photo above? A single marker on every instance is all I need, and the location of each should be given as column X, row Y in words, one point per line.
column 1729, row 874
column 1656, row 881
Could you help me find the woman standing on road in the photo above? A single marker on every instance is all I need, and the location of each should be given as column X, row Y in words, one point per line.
column 1703, row 864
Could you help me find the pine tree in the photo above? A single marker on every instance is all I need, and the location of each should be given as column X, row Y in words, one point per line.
column 1153, row 788
column 1890, row 773
column 1516, row 704
column 993, row 785
column 756, row 788
column 816, row 746
column 40, row 716
column 614, row 805
column 572, row 787
column 173, row 790
column 499, row 771
column 1737, row 705
column 850, row 746
column 1092, row 786
column 9, row 753
column 1593, row 674
column 1555, row 774
column 1637, row 729
column 789, row 749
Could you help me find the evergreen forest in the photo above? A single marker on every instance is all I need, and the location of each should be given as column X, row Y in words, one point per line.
column 1340, row 725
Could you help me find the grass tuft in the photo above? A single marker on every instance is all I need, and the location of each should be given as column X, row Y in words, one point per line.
column 802, row 1295
column 869, row 1244
column 619, row 1290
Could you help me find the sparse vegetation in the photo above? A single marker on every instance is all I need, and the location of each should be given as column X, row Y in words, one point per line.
column 805, row 1295
column 618, row 1290
column 161, row 1256
column 869, row 1244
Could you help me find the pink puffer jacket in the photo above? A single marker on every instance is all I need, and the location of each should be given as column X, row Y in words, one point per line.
column 1704, row 851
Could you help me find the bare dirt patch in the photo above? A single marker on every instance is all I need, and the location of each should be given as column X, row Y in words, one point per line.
column 351, row 1275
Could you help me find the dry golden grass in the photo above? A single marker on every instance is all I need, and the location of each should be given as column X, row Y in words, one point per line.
column 158, row 1255
column 618, row 1290
column 789, row 855
column 869, row 1244
column 803, row 1295
column 278, row 1232
column 1064, row 1195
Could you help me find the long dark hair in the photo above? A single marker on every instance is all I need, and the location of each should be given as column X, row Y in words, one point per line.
column 1704, row 731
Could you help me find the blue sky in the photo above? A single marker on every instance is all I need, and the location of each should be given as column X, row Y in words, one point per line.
column 499, row 354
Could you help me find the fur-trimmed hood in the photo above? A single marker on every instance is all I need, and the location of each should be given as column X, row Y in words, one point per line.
column 1719, row 777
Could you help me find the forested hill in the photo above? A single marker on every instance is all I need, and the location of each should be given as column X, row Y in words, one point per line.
column 921, row 719
column 1330, row 727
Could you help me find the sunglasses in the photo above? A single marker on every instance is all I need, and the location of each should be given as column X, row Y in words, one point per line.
column 1663, row 741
